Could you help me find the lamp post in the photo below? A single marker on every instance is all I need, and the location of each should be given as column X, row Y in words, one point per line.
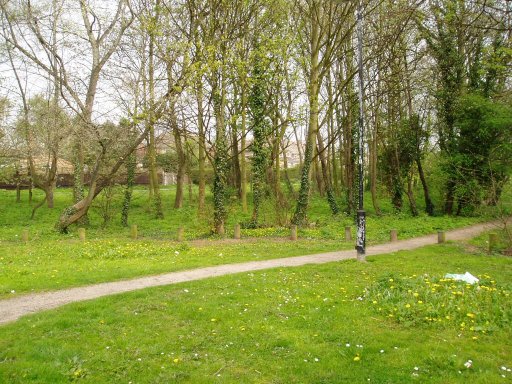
column 361, row 214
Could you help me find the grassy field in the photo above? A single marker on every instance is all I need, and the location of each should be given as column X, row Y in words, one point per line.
column 342, row 322
column 334, row 323
column 50, row 260
column 15, row 217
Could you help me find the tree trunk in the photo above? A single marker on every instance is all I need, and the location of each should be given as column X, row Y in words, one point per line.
column 331, row 199
column 51, row 180
column 201, row 155
column 243, row 163
column 410, row 195
column 300, row 215
column 349, row 160
column 429, row 205
column 153, row 171
column 220, row 160
column 289, row 184
column 37, row 206
column 236, row 178
column 30, row 190
column 180, row 176
column 49, row 196
column 130, row 178
column 18, row 187
column 72, row 214
column 373, row 175
column 450, row 193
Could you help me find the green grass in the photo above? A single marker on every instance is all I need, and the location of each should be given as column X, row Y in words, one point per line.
column 52, row 261
column 56, row 264
column 296, row 325
column 15, row 217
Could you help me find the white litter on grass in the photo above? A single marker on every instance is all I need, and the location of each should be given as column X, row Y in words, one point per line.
column 467, row 277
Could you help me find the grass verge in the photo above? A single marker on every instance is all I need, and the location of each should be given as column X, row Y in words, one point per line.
column 312, row 324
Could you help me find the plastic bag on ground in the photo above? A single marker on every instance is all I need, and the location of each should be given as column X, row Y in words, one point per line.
column 467, row 277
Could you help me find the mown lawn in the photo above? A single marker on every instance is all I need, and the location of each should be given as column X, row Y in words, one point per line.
column 51, row 260
column 313, row 324
column 57, row 264
column 15, row 217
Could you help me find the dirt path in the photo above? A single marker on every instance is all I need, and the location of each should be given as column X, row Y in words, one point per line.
column 13, row 309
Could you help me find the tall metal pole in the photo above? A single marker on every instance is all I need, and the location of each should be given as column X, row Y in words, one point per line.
column 361, row 214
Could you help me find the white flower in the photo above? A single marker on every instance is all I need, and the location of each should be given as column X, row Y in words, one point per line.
column 468, row 364
column 176, row 253
column 381, row 351
column 416, row 369
column 347, row 345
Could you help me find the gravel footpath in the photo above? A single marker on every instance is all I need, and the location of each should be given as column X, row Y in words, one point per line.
column 13, row 309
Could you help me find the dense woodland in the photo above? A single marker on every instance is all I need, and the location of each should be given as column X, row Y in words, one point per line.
column 236, row 83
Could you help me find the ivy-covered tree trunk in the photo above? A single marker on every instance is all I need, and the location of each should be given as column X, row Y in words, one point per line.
column 220, row 161
column 130, row 178
column 78, row 172
column 260, row 152
column 331, row 198
column 180, row 175
column 201, row 150
column 243, row 143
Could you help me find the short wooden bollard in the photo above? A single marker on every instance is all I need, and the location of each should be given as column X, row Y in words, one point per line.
column 24, row 235
column 441, row 237
column 237, row 231
column 393, row 235
column 348, row 234
column 81, row 234
column 293, row 232
column 134, row 231
column 493, row 241
column 181, row 231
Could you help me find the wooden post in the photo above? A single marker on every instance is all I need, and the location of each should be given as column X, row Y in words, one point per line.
column 441, row 237
column 237, row 231
column 348, row 234
column 393, row 235
column 181, row 230
column 133, row 231
column 293, row 232
column 81, row 234
column 24, row 236
column 493, row 241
